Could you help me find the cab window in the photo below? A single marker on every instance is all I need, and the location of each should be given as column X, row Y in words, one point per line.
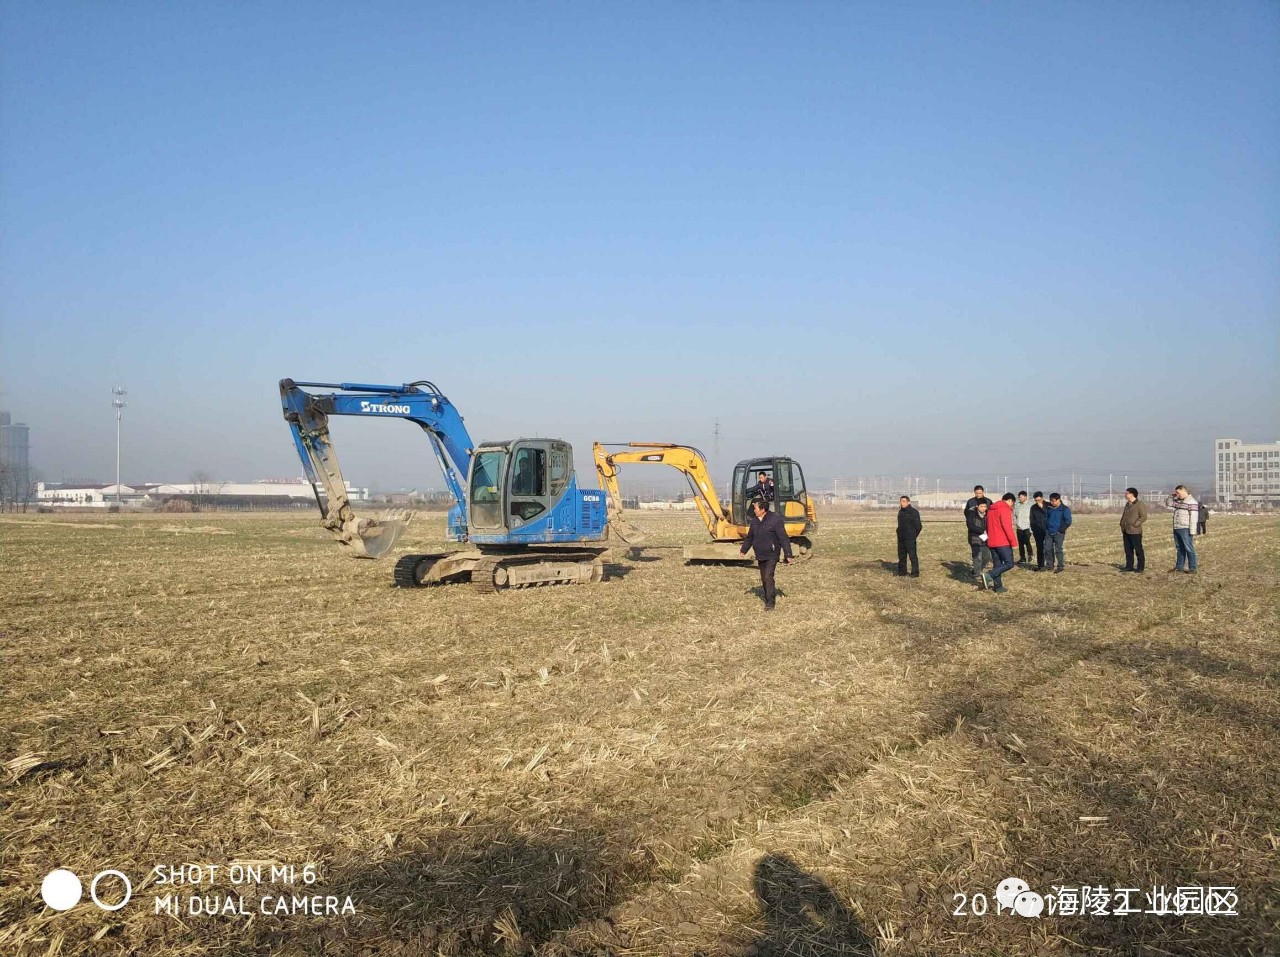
column 529, row 475
column 783, row 479
column 484, row 478
column 561, row 469
column 486, row 490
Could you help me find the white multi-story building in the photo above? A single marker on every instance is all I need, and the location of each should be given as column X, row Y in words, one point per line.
column 1248, row 473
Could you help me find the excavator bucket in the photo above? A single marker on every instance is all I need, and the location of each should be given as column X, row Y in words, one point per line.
column 625, row 532
column 373, row 537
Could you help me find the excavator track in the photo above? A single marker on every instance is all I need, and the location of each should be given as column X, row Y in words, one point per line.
column 536, row 569
column 412, row 571
column 483, row 575
column 424, row 571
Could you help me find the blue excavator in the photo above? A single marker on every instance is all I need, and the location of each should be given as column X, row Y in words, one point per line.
column 517, row 503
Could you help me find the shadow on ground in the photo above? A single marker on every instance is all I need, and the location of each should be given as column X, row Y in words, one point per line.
column 803, row 917
column 472, row 890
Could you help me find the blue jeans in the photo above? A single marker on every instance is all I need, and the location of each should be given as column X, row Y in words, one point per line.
column 1186, row 548
column 1053, row 549
column 1003, row 562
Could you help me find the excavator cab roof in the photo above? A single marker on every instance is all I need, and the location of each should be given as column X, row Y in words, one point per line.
column 764, row 464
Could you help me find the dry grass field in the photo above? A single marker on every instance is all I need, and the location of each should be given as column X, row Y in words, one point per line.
column 645, row 766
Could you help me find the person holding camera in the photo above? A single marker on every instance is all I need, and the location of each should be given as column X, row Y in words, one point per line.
column 1185, row 514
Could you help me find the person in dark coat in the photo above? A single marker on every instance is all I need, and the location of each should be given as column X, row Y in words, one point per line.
column 762, row 489
column 908, row 531
column 1132, row 519
column 768, row 536
column 1202, row 519
column 970, row 509
column 1057, row 521
column 1039, row 523
column 976, row 522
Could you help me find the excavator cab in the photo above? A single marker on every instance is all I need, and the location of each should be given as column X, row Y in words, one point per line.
column 791, row 501
column 525, row 490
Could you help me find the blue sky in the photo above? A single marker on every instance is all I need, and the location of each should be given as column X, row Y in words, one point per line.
column 949, row 239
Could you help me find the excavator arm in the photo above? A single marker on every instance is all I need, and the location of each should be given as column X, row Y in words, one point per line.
column 685, row 458
column 421, row 402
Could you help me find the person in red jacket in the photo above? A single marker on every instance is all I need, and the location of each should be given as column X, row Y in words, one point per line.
column 1001, row 539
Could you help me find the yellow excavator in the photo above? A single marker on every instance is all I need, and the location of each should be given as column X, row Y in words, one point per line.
column 728, row 526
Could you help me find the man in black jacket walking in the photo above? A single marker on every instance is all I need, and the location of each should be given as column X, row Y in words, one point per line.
column 908, row 532
column 768, row 536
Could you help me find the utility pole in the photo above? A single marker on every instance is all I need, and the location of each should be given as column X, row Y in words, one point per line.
column 118, row 404
column 1109, row 490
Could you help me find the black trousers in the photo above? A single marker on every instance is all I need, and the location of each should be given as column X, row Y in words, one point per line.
column 981, row 558
column 1038, row 534
column 1132, row 549
column 1024, row 545
column 907, row 549
column 767, row 568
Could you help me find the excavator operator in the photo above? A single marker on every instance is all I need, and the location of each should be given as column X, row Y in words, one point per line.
column 763, row 489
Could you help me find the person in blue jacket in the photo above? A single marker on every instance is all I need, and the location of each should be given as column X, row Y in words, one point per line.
column 1057, row 521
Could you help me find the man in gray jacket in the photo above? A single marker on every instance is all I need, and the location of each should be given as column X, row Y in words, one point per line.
column 1022, row 524
column 1185, row 512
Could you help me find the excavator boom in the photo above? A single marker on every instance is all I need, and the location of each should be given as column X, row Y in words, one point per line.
column 689, row 461
column 421, row 402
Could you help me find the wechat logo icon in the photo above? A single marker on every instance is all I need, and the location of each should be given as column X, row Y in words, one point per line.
column 1015, row 896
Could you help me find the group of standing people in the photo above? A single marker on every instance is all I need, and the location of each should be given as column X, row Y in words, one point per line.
column 1016, row 521
column 1034, row 519
column 1190, row 519
column 995, row 529
column 1037, row 527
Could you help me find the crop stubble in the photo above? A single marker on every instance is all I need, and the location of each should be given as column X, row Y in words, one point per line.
column 650, row 765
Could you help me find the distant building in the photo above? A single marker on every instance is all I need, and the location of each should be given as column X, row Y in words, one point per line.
column 82, row 493
column 1246, row 473
column 15, row 464
column 268, row 494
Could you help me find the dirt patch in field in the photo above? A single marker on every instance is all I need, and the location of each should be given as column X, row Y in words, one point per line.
column 192, row 529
